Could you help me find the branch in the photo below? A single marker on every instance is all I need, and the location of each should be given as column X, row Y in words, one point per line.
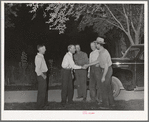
column 133, row 27
column 113, row 24
column 120, row 12
column 140, row 19
column 127, row 21
column 115, row 18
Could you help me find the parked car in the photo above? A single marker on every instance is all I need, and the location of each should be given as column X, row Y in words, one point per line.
column 128, row 71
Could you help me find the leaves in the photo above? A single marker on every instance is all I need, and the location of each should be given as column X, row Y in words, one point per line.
column 127, row 17
column 11, row 10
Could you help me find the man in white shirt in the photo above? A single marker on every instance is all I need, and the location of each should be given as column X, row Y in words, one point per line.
column 94, row 73
column 41, row 69
column 67, row 84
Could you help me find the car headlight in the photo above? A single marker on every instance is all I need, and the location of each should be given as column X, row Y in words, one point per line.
column 117, row 63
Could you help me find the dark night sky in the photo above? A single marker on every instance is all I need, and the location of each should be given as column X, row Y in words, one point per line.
column 28, row 33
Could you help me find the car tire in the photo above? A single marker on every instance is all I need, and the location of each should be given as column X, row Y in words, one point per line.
column 115, row 87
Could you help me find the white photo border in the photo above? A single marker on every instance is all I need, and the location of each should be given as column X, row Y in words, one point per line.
column 76, row 115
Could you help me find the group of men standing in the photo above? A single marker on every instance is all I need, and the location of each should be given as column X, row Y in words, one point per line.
column 99, row 71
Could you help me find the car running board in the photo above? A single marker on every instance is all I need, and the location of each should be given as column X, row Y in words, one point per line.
column 139, row 89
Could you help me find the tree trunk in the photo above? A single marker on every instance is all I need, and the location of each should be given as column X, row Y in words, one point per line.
column 137, row 33
column 130, row 39
column 137, row 37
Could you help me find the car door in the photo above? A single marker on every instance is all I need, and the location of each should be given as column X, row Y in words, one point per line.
column 140, row 70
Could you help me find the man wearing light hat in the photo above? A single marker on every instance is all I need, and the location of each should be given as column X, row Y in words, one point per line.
column 104, row 61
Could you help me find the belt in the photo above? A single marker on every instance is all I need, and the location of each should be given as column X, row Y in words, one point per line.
column 108, row 67
column 44, row 73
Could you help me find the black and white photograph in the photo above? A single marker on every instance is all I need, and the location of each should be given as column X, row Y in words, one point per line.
column 74, row 60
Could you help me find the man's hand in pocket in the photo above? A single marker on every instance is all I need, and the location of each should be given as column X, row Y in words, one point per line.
column 44, row 76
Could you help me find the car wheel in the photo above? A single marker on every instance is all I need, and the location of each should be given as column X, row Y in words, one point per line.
column 115, row 87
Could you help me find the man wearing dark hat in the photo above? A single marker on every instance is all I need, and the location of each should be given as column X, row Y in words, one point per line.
column 104, row 61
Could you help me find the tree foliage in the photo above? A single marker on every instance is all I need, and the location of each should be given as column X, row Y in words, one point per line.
column 103, row 17
column 11, row 10
column 59, row 13
column 127, row 17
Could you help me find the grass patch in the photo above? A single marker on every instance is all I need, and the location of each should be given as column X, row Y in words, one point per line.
column 32, row 87
column 120, row 105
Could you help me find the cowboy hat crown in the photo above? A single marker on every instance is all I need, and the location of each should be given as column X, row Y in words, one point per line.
column 100, row 40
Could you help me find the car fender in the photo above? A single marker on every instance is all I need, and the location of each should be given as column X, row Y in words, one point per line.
column 118, row 81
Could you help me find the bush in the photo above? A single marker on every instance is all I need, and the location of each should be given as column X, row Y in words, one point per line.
column 23, row 73
column 55, row 76
column 18, row 75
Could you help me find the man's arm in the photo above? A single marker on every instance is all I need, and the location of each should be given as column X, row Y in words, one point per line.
column 89, row 67
column 104, row 72
column 90, row 56
column 38, row 62
column 105, row 58
column 93, row 63
column 73, row 65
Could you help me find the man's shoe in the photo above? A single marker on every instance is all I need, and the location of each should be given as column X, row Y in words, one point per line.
column 70, row 102
column 92, row 101
column 63, row 104
column 84, row 99
column 46, row 104
column 79, row 97
column 112, row 106
column 45, row 107
column 104, row 107
column 99, row 103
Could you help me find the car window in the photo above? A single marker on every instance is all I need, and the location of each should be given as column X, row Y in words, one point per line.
column 142, row 56
column 132, row 53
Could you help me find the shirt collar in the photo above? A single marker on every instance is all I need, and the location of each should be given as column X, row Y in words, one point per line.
column 40, row 54
column 79, row 52
column 102, row 50
column 95, row 50
column 70, row 53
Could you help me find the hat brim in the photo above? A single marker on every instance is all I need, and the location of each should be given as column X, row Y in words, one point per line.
column 99, row 42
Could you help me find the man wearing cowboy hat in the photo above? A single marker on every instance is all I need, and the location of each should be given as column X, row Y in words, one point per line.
column 104, row 61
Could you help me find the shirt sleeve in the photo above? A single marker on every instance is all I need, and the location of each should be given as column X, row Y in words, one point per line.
column 38, row 62
column 90, row 58
column 65, row 62
column 106, row 59
column 72, row 64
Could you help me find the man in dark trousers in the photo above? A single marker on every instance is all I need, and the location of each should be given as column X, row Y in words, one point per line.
column 41, row 69
column 67, row 85
column 81, row 59
column 94, row 73
column 104, row 61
